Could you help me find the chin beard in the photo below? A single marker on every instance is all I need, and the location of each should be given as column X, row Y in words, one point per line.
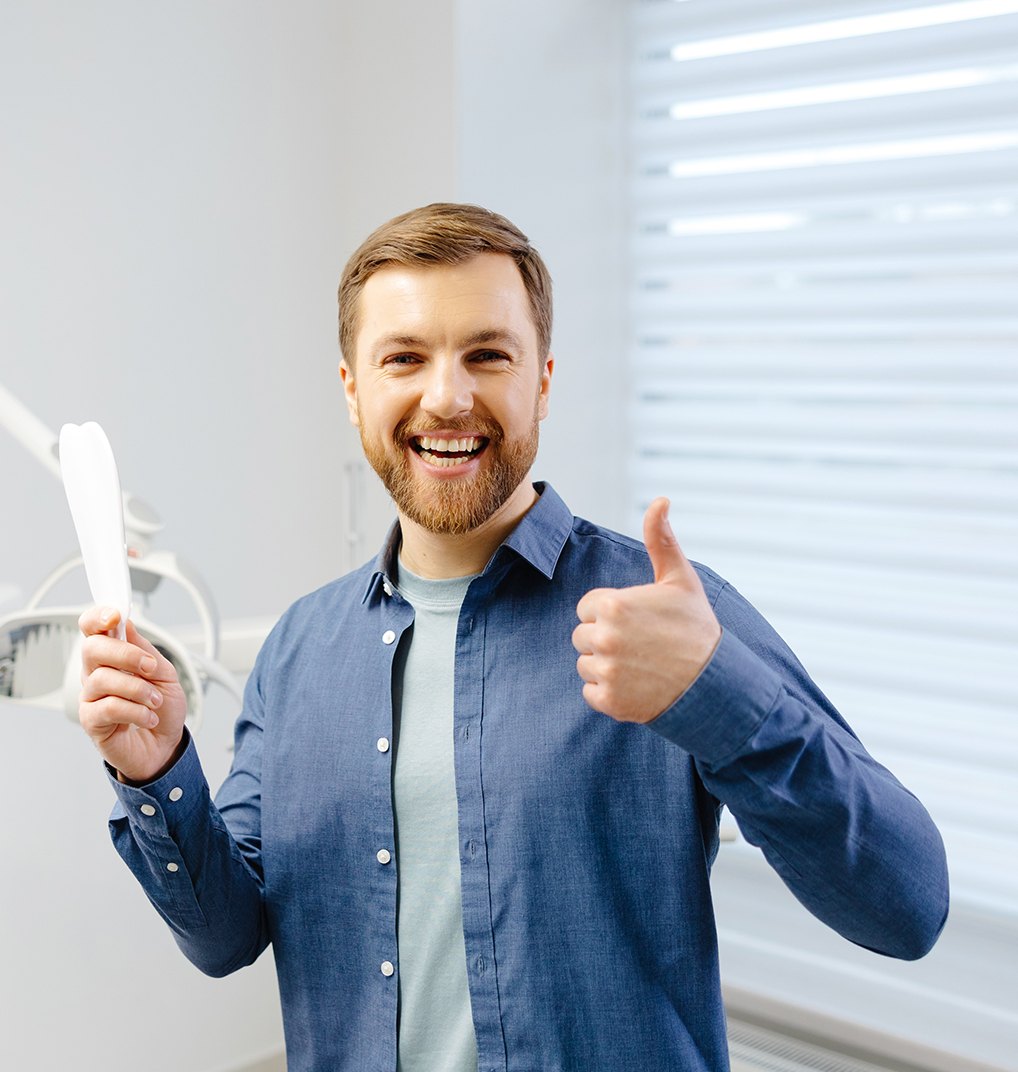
column 453, row 507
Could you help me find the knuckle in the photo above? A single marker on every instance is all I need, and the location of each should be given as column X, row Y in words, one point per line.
column 609, row 603
column 609, row 677
column 100, row 683
column 114, row 709
column 91, row 718
column 92, row 649
column 609, row 642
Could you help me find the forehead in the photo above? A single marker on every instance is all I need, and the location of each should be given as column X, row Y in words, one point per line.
column 444, row 302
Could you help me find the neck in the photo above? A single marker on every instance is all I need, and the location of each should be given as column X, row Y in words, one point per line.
column 437, row 555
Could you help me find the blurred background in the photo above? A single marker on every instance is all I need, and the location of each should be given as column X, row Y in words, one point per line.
column 784, row 239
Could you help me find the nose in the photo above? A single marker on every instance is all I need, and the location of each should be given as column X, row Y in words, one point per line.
column 448, row 390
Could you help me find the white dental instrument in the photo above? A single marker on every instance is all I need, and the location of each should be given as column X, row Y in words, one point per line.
column 92, row 485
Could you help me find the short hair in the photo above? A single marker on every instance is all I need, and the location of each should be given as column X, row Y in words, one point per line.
column 443, row 233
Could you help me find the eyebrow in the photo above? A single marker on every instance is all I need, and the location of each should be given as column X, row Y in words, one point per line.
column 410, row 341
column 488, row 335
column 479, row 338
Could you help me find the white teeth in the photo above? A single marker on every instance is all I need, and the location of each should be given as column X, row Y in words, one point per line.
column 449, row 446
column 442, row 461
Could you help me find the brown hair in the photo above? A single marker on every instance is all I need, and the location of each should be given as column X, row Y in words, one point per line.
column 443, row 233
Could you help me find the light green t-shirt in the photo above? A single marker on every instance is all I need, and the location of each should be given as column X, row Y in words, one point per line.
column 436, row 1032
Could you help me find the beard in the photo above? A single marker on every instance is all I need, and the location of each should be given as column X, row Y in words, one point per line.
column 452, row 507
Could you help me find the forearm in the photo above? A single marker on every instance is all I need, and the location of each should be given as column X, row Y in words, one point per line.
column 190, row 866
column 856, row 848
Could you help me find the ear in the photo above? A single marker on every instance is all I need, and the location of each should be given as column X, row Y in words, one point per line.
column 350, row 390
column 545, row 388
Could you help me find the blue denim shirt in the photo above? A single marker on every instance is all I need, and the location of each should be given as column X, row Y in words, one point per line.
column 585, row 844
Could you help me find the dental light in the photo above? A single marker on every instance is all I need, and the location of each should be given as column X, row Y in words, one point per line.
column 40, row 644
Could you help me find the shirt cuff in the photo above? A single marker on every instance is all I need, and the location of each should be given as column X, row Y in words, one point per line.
column 724, row 706
column 159, row 807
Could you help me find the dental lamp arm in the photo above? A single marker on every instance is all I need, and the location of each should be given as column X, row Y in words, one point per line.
column 140, row 520
column 29, row 431
column 39, row 661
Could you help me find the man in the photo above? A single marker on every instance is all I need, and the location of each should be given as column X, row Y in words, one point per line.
column 460, row 863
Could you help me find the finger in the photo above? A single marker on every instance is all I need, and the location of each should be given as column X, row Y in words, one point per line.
column 583, row 639
column 100, row 718
column 586, row 667
column 164, row 669
column 670, row 564
column 96, row 620
column 101, row 650
column 109, row 682
column 592, row 693
column 588, row 608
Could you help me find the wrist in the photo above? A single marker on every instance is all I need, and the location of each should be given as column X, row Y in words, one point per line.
column 135, row 783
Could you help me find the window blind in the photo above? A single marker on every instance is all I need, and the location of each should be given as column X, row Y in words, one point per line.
column 825, row 362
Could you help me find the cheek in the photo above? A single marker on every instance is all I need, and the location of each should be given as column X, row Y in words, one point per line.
column 517, row 409
column 378, row 417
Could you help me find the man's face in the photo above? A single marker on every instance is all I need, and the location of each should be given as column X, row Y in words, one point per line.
column 448, row 388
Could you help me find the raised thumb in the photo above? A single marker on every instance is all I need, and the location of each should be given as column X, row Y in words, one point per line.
column 666, row 555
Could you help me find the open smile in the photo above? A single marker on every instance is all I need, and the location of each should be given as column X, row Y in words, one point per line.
column 446, row 452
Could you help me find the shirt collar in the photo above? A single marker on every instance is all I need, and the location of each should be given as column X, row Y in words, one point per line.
column 543, row 531
column 537, row 539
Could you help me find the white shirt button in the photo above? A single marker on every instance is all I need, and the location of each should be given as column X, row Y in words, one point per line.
column 172, row 867
column 383, row 856
column 388, row 636
column 383, row 744
column 387, row 968
column 387, row 588
column 147, row 809
column 176, row 793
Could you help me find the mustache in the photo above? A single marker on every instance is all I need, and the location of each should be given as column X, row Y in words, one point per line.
column 411, row 427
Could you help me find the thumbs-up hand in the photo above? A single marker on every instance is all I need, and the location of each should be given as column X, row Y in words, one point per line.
column 641, row 648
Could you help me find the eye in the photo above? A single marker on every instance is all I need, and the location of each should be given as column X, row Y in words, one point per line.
column 488, row 356
column 401, row 359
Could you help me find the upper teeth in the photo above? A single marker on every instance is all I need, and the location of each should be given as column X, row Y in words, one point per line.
column 452, row 446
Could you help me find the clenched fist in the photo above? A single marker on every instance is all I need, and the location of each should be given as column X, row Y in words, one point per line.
column 641, row 648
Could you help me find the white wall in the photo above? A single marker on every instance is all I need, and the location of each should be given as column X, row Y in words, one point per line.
column 180, row 188
column 540, row 113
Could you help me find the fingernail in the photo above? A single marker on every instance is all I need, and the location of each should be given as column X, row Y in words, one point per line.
column 155, row 699
column 105, row 617
column 148, row 664
column 153, row 721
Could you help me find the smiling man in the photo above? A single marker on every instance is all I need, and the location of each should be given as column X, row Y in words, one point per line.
column 461, row 863
column 448, row 385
